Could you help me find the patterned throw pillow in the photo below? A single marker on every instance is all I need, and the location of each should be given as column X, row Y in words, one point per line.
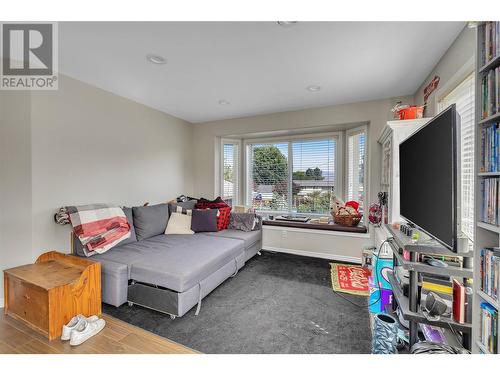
column 245, row 222
column 216, row 203
column 223, row 218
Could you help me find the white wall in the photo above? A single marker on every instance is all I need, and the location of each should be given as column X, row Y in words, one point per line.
column 91, row 146
column 15, row 181
column 81, row 145
column 457, row 62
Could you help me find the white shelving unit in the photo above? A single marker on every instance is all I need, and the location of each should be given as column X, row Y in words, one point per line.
column 486, row 235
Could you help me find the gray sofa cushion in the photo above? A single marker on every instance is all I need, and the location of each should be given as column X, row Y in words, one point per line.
column 249, row 238
column 130, row 219
column 150, row 221
column 179, row 262
column 188, row 205
column 204, row 221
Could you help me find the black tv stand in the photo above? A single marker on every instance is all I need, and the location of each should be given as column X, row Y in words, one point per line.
column 409, row 305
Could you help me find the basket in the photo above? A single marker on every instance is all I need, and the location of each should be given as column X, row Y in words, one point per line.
column 347, row 220
column 411, row 113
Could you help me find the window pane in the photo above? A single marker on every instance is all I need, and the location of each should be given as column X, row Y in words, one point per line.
column 356, row 169
column 463, row 97
column 269, row 176
column 230, row 173
column 313, row 178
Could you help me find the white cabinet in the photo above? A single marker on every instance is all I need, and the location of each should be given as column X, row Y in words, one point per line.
column 392, row 135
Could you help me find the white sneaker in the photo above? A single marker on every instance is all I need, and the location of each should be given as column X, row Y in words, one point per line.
column 85, row 330
column 68, row 328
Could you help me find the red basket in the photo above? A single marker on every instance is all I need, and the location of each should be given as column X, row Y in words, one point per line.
column 411, row 113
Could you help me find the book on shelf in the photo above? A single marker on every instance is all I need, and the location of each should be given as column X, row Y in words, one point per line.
column 490, row 86
column 489, row 202
column 490, row 92
column 489, row 327
column 462, row 302
column 489, row 151
column 491, row 41
column 489, row 269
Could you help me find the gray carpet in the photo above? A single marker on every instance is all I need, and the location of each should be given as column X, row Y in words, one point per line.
column 277, row 303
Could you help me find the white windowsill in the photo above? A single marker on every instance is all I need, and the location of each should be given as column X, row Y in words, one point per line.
column 317, row 231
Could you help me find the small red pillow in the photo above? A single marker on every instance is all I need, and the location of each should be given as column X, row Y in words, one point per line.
column 223, row 218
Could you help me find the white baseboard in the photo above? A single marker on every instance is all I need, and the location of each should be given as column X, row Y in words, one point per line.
column 340, row 258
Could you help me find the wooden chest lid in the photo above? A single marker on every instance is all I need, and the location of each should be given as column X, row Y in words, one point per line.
column 51, row 270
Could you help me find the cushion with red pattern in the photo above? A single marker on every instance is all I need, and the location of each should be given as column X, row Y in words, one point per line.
column 216, row 203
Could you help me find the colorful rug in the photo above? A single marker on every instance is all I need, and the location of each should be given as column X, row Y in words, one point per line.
column 349, row 278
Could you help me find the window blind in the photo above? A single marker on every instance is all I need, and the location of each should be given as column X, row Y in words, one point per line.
column 230, row 173
column 356, row 168
column 268, row 186
column 464, row 97
column 313, row 177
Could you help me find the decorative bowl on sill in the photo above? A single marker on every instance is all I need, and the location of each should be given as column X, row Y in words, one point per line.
column 347, row 220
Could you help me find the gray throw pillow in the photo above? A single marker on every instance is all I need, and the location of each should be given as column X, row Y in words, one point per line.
column 204, row 221
column 188, row 205
column 130, row 218
column 242, row 221
column 150, row 221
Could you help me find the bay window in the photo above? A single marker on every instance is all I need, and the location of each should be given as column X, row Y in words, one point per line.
column 296, row 174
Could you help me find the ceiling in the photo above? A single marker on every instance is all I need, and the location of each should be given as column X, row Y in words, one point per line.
column 258, row 67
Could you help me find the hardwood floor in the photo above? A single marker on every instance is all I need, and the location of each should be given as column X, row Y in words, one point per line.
column 116, row 338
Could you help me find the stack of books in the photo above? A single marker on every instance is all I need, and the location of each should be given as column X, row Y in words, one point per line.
column 490, row 161
column 491, row 42
column 440, row 286
column 489, row 324
column 489, row 193
column 489, row 271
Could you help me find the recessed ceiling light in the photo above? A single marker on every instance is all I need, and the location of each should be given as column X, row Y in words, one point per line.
column 313, row 88
column 223, row 102
column 156, row 59
column 287, row 23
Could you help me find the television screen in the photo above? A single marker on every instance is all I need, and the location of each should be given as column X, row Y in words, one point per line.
column 428, row 162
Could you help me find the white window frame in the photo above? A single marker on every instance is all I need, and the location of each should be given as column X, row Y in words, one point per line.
column 339, row 160
column 237, row 171
column 366, row 187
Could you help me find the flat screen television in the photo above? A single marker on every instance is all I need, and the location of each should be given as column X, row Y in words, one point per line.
column 428, row 178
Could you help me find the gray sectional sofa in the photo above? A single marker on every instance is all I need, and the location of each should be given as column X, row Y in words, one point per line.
column 170, row 273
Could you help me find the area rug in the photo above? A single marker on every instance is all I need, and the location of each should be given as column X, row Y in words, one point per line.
column 350, row 279
column 277, row 303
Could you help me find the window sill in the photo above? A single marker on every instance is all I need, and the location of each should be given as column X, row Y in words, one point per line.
column 331, row 227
